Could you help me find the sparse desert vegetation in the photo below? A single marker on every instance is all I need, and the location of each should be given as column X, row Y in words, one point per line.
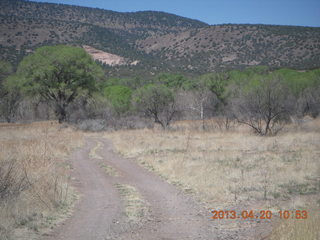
column 234, row 168
column 229, row 113
column 35, row 189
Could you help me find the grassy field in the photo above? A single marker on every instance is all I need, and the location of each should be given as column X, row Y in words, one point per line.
column 35, row 189
column 225, row 169
column 236, row 168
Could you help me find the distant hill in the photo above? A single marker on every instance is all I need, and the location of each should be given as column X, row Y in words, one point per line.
column 156, row 41
column 234, row 46
column 135, row 25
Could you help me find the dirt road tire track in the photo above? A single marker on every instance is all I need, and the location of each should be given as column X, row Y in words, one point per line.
column 99, row 214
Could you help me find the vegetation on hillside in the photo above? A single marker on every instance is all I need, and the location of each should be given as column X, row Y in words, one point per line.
column 237, row 46
column 160, row 42
column 136, row 24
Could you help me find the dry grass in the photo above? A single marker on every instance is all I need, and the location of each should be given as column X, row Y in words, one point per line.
column 109, row 170
column 94, row 155
column 297, row 229
column 93, row 152
column 135, row 207
column 34, row 156
column 233, row 167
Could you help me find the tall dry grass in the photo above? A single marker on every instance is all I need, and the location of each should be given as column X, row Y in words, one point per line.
column 233, row 168
column 34, row 176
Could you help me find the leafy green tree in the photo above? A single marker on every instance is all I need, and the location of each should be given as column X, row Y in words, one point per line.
column 216, row 83
column 9, row 97
column 133, row 83
column 156, row 101
column 59, row 74
column 5, row 71
column 296, row 81
column 171, row 80
column 119, row 97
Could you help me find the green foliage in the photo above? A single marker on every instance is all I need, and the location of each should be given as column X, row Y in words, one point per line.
column 171, row 80
column 153, row 96
column 59, row 74
column 5, row 70
column 214, row 82
column 133, row 83
column 247, row 75
column 217, row 83
column 156, row 101
column 10, row 98
column 52, row 70
column 245, row 80
column 119, row 97
column 298, row 81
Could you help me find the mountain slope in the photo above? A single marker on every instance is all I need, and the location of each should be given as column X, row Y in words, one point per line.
column 136, row 24
column 156, row 41
column 25, row 26
column 22, row 35
column 224, row 46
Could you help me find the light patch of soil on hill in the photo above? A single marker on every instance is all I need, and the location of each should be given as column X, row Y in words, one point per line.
column 108, row 58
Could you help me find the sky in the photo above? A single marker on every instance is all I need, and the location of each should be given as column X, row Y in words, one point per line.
column 279, row 12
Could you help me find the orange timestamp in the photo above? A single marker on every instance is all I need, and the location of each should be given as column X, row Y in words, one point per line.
column 262, row 214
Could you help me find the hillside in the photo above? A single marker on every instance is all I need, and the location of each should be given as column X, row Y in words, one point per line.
column 155, row 41
column 227, row 46
column 134, row 25
column 21, row 35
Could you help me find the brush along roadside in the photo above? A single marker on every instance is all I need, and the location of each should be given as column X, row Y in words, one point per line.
column 235, row 167
column 35, row 190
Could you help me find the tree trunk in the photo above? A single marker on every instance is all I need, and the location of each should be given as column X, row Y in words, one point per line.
column 61, row 113
column 8, row 119
column 202, row 115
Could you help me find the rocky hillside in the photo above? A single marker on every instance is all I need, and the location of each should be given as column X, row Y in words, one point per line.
column 20, row 36
column 130, row 25
column 228, row 46
column 153, row 41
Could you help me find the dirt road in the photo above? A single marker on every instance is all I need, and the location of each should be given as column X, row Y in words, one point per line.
column 100, row 213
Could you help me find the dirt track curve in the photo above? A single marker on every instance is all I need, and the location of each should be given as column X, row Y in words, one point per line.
column 99, row 215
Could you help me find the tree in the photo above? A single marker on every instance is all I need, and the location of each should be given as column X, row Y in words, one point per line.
column 207, row 93
column 5, row 71
column 119, row 97
column 156, row 101
column 9, row 97
column 216, row 83
column 264, row 105
column 309, row 102
column 9, row 102
column 59, row 74
column 171, row 80
column 202, row 99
